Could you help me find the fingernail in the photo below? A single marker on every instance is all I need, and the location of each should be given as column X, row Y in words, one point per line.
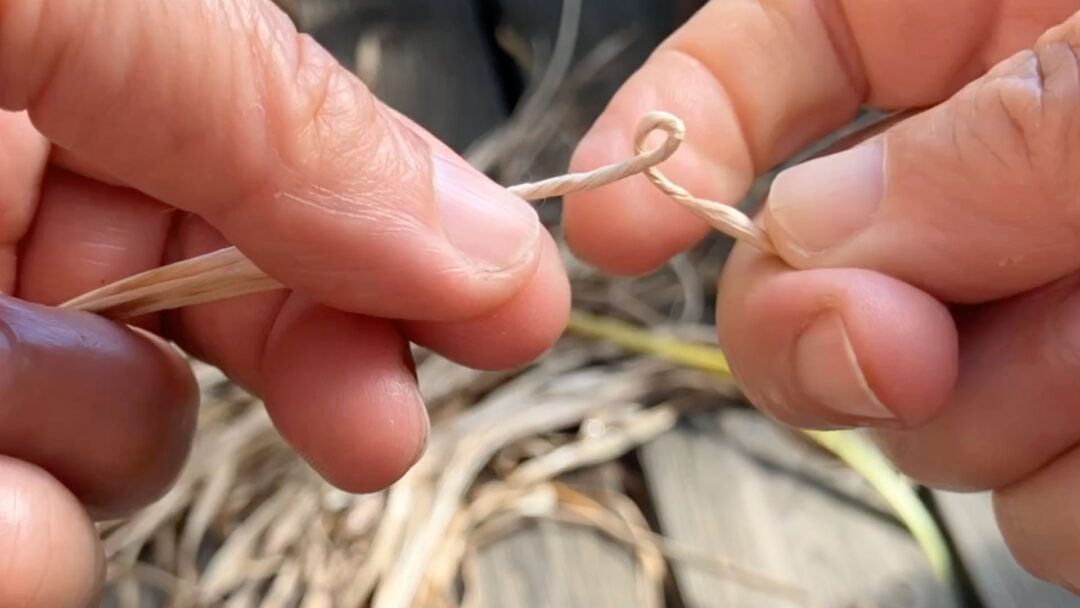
column 828, row 371
column 486, row 223
column 821, row 203
column 423, row 423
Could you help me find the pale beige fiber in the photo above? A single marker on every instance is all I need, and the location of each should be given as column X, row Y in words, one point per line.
column 227, row 273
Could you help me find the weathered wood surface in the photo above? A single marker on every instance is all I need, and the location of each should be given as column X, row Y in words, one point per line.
column 998, row 580
column 555, row 565
column 551, row 564
column 735, row 485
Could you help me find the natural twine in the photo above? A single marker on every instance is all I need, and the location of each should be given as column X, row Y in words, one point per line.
column 227, row 273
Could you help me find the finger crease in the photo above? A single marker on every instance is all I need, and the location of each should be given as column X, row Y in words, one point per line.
column 840, row 38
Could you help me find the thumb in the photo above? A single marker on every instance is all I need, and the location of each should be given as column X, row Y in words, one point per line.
column 51, row 549
column 972, row 200
column 72, row 383
column 220, row 108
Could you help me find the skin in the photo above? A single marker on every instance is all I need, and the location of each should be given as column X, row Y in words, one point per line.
column 121, row 151
column 926, row 284
column 931, row 301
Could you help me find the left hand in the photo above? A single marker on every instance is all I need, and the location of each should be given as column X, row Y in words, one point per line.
column 138, row 133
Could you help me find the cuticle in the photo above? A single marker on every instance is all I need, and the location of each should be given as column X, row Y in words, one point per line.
column 859, row 367
column 409, row 362
column 425, row 442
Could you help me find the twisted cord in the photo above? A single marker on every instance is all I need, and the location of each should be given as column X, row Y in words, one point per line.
column 563, row 185
column 227, row 273
column 724, row 218
column 721, row 217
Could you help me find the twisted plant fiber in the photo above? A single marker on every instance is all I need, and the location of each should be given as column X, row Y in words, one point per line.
column 227, row 273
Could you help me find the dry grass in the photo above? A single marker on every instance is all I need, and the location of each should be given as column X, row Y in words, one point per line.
column 248, row 524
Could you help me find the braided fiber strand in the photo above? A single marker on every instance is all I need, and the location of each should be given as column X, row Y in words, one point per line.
column 227, row 273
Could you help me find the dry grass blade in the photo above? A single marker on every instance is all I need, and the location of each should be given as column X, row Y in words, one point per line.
column 218, row 275
column 601, row 445
column 208, row 504
column 233, row 564
column 537, row 102
column 285, row 587
column 160, row 579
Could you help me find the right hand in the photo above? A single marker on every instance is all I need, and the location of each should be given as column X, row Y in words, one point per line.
column 928, row 284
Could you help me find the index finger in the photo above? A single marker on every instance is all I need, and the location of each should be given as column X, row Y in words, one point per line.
column 756, row 81
column 220, row 108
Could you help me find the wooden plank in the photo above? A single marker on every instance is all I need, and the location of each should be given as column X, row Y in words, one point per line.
column 998, row 580
column 550, row 565
column 734, row 484
column 557, row 565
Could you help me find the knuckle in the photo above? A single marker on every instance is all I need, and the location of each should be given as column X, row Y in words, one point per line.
column 1033, row 106
column 1027, row 110
column 335, row 135
column 328, row 109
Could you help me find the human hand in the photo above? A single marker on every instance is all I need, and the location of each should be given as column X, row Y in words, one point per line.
column 927, row 280
column 140, row 133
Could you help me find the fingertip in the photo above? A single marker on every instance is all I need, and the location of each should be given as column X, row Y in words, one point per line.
column 630, row 227
column 77, row 382
column 836, row 348
column 342, row 391
column 515, row 334
column 907, row 344
column 627, row 227
column 52, row 555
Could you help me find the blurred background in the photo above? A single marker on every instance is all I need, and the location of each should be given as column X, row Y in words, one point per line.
column 623, row 469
